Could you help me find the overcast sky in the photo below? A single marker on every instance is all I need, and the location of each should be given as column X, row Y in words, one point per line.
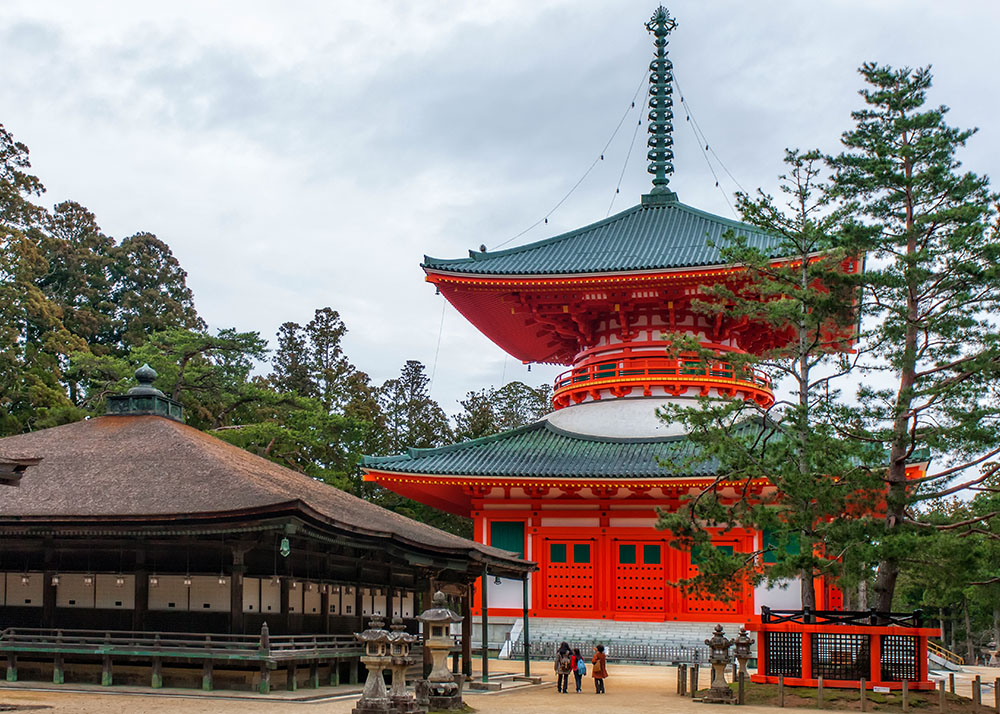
column 303, row 154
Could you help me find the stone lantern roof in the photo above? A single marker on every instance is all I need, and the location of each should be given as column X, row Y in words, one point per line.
column 440, row 613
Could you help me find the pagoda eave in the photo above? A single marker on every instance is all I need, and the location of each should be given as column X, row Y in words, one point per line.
column 460, row 494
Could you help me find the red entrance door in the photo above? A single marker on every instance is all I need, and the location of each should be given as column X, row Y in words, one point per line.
column 639, row 579
column 568, row 575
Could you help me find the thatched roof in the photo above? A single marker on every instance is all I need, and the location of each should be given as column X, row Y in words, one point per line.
column 133, row 467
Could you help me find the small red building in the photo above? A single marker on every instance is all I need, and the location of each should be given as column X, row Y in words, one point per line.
column 578, row 491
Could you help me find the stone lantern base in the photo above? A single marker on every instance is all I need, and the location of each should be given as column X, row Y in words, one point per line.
column 446, row 696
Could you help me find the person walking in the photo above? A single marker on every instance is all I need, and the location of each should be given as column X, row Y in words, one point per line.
column 563, row 666
column 579, row 668
column 600, row 668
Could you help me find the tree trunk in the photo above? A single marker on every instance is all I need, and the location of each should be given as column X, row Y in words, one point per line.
column 808, row 589
column 968, row 633
column 996, row 630
column 863, row 595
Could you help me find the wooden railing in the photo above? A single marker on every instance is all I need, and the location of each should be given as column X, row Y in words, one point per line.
column 647, row 371
column 179, row 644
column 842, row 617
column 945, row 654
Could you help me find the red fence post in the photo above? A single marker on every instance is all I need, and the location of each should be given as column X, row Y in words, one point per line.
column 807, row 668
column 875, row 652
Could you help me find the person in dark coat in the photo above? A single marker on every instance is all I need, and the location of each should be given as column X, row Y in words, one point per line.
column 563, row 666
column 600, row 668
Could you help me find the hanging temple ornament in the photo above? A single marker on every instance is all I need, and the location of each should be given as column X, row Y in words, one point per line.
column 661, row 114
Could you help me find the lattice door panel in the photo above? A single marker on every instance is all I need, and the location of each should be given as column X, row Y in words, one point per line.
column 569, row 576
column 639, row 577
column 840, row 656
column 899, row 658
column 783, row 652
column 710, row 604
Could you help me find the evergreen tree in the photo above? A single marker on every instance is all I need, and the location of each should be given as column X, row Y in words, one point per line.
column 412, row 418
column 492, row 411
column 150, row 290
column 791, row 475
column 932, row 299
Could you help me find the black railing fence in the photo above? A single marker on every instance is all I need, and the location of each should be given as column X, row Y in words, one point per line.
column 626, row 652
column 808, row 616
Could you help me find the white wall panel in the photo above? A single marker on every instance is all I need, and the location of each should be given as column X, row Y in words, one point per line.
column 311, row 599
column 295, row 589
column 170, row 594
column 108, row 594
column 72, row 591
column 251, row 594
column 347, row 600
column 207, row 595
column 334, row 599
column 270, row 595
column 25, row 594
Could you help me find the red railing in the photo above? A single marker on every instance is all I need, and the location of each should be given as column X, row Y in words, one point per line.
column 646, row 372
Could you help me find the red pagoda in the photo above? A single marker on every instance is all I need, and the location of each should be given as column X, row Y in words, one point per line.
column 578, row 490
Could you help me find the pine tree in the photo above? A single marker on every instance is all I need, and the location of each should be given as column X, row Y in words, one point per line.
column 792, row 476
column 931, row 300
column 492, row 411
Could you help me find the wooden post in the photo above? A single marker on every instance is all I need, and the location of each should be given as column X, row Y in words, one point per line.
column 977, row 692
column 156, row 681
column 141, row 595
column 951, row 682
column 906, row 696
column 996, row 694
column 941, row 695
column 781, row 690
column 292, row 684
column 681, row 674
column 286, row 618
column 207, row 679
column 334, row 672
column 58, row 670
column 683, row 678
column 864, row 699
column 694, row 681
column 11, row 667
column 819, row 692
column 265, row 678
column 486, row 627
column 48, row 597
column 324, row 607
column 107, row 674
column 741, row 690
column 524, row 630
column 236, row 619
column 314, row 674
column 352, row 671
column 425, row 602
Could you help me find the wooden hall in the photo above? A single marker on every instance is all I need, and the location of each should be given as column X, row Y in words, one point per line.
column 135, row 522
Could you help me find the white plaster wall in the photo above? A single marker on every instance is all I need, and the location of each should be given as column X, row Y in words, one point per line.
column 780, row 596
column 573, row 522
column 251, row 594
column 270, row 595
column 334, row 601
column 347, row 601
column 312, row 600
column 619, row 418
column 73, row 592
column 207, row 595
column 21, row 595
column 379, row 603
column 109, row 596
column 170, row 594
column 295, row 596
column 507, row 594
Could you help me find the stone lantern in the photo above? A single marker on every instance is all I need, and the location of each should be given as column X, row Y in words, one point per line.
column 743, row 642
column 719, row 658
column 400, row 642
column 377, row 657
column 444, row 692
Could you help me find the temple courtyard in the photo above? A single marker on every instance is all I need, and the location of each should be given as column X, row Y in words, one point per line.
column 630, row 689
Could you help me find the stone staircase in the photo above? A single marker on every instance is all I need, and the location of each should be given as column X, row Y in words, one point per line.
column 623, row 636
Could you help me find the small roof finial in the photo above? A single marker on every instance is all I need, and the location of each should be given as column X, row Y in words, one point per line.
column 145, row 376
column 661, row 114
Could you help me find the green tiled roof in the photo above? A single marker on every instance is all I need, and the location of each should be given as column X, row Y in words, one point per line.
column 657, row 234
column 540, row 450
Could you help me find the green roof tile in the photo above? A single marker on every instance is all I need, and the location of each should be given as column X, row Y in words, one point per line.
column 660, row 233
column 541, row 450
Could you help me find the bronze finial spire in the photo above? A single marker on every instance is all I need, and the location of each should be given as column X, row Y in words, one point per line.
column 660, row 115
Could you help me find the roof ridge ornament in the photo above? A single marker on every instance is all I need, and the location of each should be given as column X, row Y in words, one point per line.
column 660, row 117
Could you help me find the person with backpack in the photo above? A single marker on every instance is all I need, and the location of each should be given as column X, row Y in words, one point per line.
column 563, row 666
column 579, row 668
column 600, row 670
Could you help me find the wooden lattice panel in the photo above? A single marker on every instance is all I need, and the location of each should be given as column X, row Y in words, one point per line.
column 698, row 605
column 639, row 584
column 569, row 576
